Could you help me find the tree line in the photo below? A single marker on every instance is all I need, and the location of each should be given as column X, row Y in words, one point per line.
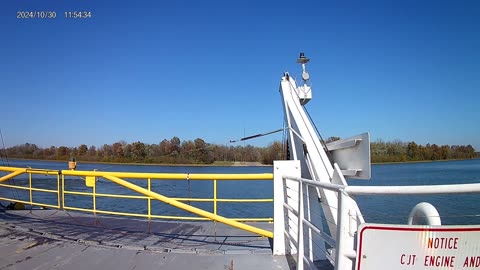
column 398, row 151
column 175, row 151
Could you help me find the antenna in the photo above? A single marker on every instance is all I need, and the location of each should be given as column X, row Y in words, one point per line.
column 304, row 92
column 304, row 60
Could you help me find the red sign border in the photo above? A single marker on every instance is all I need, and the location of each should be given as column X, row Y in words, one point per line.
column 415, row 229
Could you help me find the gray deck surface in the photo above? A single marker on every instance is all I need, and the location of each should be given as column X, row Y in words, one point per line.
column 51, row 239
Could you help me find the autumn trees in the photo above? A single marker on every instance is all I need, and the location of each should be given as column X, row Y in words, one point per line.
column 176, row 151
column 398, row 151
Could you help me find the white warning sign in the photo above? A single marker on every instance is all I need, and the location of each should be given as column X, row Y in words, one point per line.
column 414, row 247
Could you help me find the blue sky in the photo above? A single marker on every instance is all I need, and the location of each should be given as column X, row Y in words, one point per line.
column 149, row 70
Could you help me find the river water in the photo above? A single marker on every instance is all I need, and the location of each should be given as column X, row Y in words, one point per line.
column 454, row 209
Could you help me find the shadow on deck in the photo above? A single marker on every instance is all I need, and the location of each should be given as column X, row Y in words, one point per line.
column 54, row 239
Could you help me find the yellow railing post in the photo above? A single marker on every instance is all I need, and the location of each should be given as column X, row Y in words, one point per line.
column 94, row 197
column 63, row 191
column 149, row 199
column 30, row 188
column 215, row 196
column 58, row 191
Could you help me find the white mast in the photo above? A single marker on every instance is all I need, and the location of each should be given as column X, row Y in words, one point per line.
column 346, row 158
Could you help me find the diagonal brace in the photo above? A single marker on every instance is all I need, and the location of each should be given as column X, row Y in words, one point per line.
column 189, row 208
column 11, row 175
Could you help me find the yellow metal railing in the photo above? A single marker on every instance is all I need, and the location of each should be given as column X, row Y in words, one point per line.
column 147, row 194
column 15, row 172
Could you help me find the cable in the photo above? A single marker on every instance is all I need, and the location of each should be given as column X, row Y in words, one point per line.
column 4, row 149
column 256, row 136
column 10, row 181
column 285, row 154
column 324, row 144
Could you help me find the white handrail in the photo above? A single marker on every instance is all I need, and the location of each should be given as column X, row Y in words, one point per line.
column 394, row 190
column 343, row 252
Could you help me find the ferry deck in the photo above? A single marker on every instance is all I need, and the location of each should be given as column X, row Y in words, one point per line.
column 55, row 239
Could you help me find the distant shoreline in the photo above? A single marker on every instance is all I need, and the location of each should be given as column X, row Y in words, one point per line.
column 225, row 163
column 215, row 164
column 420, row 161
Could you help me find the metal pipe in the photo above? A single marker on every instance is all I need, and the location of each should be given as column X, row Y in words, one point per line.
column 11, row 175
column 58, row 191
column 174, row 176
column 63, row 192
column 393, row 190
column 94, row 198
column 342, row 219
column 301, row 212
column 149, row 203
column 214, row 196
column 30, row 189
column 399, row 190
